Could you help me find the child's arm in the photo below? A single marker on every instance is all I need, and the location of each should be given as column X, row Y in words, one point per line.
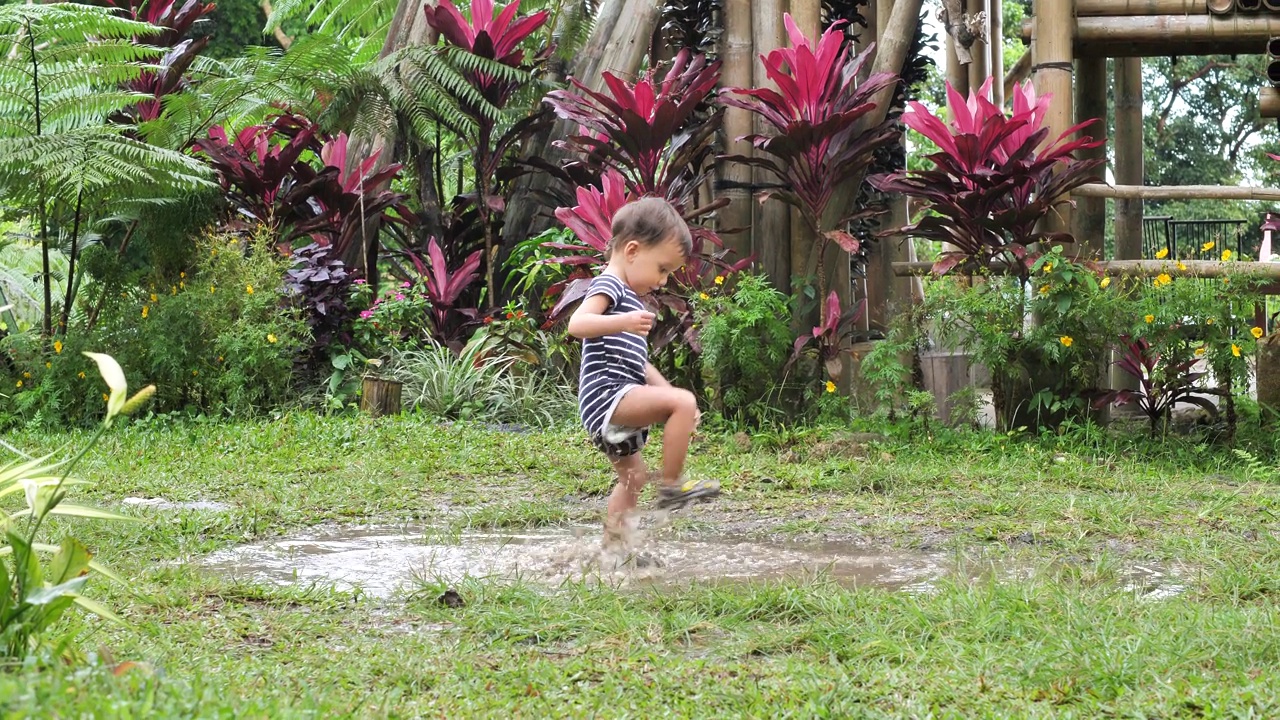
column 653, row 377
column 589, row 320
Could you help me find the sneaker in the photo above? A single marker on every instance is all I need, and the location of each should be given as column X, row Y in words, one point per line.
column 673, row 497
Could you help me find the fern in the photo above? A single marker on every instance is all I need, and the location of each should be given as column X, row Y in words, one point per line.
column 360, row 25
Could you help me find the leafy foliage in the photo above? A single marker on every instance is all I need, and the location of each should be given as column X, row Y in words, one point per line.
column 1162, row 384
column 319, row 282
column 444, row 287
column 831, row 337
column 35, row 594
column 745, row 337
column 994, row 179
column 177, row 20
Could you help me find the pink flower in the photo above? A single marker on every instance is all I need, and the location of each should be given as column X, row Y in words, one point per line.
column 359, row 281
column 399, row 296
column 404, row 284
column 366, row 314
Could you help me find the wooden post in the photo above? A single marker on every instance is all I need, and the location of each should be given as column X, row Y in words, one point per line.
column 380, row 397
column 957, row 74
column 1052, row 63
column 736, row 71
column 771, row 225
column 1089, row 227
column 997, row 52
column 1126, row 36
column 980, row 68
column 1129, row 171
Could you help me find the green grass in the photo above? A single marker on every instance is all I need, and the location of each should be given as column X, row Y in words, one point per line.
column 1068, row 641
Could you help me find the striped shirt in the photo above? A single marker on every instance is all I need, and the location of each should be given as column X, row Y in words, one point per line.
column 610, row 363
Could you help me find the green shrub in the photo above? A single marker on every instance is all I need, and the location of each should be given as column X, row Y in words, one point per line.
column 746, row 338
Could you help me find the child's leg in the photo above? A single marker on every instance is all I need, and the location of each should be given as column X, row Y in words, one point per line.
column 676, row 409
column 632, row 475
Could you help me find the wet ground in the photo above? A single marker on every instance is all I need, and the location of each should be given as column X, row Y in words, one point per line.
column 383, row 561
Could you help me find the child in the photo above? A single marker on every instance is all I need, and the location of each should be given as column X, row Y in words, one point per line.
column 621, row 394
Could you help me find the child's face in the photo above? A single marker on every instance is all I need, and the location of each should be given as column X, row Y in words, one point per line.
column 649, row 266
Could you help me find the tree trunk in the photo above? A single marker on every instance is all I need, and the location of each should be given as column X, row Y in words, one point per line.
column 996, row 51
column 1055, row 24
column 771, row 221
column 980, row 67
column 736, row 71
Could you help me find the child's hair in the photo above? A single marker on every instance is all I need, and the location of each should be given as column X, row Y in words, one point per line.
column 649, row 221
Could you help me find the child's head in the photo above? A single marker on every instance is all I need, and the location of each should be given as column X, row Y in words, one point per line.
column 651, row 240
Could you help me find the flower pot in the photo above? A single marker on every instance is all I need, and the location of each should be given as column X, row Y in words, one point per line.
column 380, row 397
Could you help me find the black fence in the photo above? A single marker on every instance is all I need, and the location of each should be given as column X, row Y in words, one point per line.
column 1184, row 239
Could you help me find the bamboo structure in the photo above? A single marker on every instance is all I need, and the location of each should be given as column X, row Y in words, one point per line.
column 771, row 221
column 1052, row 62
column 980, row 67
column 1221, row 7
column 1176, row 192
column 996, row 51
column 1129, row 170
column 1089, row 226
column 736, row 47
column 1266, row 271
column 1269, row 102
column 1248, row 5
column 1157, row 35
column 1114, row 8
column 1271, row 5
column 1020, row 71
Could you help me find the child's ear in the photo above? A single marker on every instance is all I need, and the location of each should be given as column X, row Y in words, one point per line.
column 631, row 249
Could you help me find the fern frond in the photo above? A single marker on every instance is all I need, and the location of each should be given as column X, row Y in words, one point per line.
column 360, row 25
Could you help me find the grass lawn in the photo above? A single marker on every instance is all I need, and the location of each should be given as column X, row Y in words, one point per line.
column 1064, row 640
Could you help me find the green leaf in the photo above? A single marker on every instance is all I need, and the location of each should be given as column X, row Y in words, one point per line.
column 27, row 565
column 89, row 512
column 6, row 592
column 1064, row 304
column 71, row 561
column 45, row 596
column 98, row 609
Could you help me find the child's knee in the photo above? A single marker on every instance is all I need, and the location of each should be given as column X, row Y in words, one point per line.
column 684, row 402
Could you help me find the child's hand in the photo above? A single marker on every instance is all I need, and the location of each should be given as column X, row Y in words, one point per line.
column 637, row 321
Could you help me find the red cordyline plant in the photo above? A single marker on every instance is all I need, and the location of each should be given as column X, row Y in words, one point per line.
column 1161, row 385
column 994, row 179
column 493, row 34
column 819, row 141
column 178, row 18
column 649, row 131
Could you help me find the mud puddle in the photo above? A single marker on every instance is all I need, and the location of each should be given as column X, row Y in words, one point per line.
column 382, row 562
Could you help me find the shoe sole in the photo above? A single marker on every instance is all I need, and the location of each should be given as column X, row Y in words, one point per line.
column 685, row 500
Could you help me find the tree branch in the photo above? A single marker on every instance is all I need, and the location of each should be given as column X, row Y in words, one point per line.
column 284, row 40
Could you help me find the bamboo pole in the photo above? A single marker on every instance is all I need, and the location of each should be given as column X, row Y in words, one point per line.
column 1273, row 71
column 980, row 67
column 629, row 42
column 1139, row 269
column 1171, row 34
column 956, row 29
column 1052, row 62
column 1269, row 102
column 957, row 74
column 996, row 50
column 1018, row 74
column 1129, row 171
column 1113, row 8
column 1089, row 226
column 736, row 71
column 1176, row 192
column 771, row 222
column 1247, row 6
column 1221, row 7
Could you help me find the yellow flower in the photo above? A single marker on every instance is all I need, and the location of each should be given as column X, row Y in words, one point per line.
column 212, row 289
column 26, row 375
column 219, row 358
column 1163, row 279
column 173, row 289
column 1226, row 256
column 1044, row 289
column 1207, row 246
column 1200, row 351
column 1048, row 268
column 1256, row 332
column 704, row 296
column 144, row 311
column 80, row 375
column 19, row 383
column 271, row 338
column 831, row 387
column 213, row 252
column 248, row 289
column 48, row 364
column 1105, row 282
column 105, row 397
column 182, row 275
column 57, row 346
column 194, row 373
column 154, row 298
column 1235, row 349
column 719, row 279
column 182, row 285
column 1164, row 253
column 1182, row 266
column 1209, row 321
column 1150, row 319
column 1066, row 340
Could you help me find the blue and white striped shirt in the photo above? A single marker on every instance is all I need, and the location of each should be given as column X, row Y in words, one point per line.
column 610, row 363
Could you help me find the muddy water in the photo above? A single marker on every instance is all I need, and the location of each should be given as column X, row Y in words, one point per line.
column 382, row 561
